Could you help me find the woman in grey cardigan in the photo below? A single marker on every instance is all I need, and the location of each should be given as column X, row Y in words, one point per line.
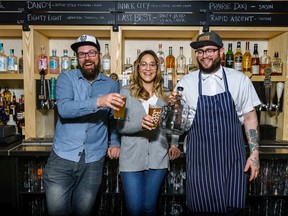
column 144, row 153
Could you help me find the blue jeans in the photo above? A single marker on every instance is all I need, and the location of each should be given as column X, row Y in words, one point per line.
column 71, row 187
column 141, row 190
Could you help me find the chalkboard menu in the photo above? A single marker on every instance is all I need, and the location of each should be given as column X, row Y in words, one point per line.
column 180, row 13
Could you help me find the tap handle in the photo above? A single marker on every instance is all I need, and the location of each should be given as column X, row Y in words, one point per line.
column 280, row 87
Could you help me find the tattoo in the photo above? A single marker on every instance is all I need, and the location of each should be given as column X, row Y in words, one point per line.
column 253, row 140
column 255, row 162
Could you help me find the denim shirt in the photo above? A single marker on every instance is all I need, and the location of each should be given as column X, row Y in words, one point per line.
column 81, row 125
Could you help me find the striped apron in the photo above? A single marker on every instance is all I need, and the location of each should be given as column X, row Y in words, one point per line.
column 215, row 155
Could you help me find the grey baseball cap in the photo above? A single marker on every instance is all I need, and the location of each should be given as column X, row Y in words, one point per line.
column 207, row 39
column 85, row 40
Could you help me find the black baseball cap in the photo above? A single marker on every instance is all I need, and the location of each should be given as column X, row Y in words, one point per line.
column 85, row 40
column 207, row 39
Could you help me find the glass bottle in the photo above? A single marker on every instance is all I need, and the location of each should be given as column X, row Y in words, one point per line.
column 12, row 62
column 65, row 61
column 238, row 57
column 277, row 65
column 128, row 67
column 13, row 105
column 74, row 62
column 265, row 62
column 161, row 56
column 3, row 59
column 255, row 61
column 229, row 57
column 7, row 100
column 181, row 62
column 43, row 60
column 20, row 115
column 191, row 66
column 20, row 63
column 106, row 61
column 223, row 58
column 247, row 59
column 170, row 62
column 54, row 63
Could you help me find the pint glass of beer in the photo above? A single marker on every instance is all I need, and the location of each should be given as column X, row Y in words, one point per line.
column 121, row 113
column 155, row 112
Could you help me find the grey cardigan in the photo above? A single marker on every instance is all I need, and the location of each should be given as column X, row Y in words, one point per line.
column 140, row 149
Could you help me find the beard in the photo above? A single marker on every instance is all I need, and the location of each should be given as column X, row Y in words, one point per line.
column 214, row 66
column 90, row 74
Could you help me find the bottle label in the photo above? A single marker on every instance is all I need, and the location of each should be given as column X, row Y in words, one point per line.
column 64, row 64
column 238, row 66
column 255, row 69
column 11, row 63
column 42, row 63
column 53, row 64
column 106, row 64
column 3, row 64
column 170, row 70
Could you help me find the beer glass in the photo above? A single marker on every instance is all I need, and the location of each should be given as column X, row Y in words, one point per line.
column 155, row 112
column 121, row 113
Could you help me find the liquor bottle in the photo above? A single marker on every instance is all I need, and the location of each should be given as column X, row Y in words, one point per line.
column 3, row 59
column 74, row 62
column 54, row 67
column 20, row 63
column 65, row 61
column 238, row 57
column 106, row 61
column 181, row 62
column 20, row 115
column 229, row 57
column 128, row 67
column 223, row 59
column 161, row 56
column 265, row 62
column 12, row 62
column 138, row 52
column 191, row 66
column 277, row 65
column 43, row 60
column 247, row 59
column 170, row 62
column 13, row 105
column 7, row 100
column 255, row 61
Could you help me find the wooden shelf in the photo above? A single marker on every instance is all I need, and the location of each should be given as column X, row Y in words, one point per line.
column 11, row 76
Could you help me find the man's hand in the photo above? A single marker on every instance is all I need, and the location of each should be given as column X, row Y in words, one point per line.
column 253, row 164
column 110, row 100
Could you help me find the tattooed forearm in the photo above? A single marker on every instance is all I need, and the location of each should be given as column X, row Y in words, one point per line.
column 253, row 139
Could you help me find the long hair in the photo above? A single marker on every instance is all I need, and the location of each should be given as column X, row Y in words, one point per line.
column 136, row 87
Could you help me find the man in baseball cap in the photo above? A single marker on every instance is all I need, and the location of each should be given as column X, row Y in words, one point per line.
column 86, row 100
column 85, row 40
column 222, row 102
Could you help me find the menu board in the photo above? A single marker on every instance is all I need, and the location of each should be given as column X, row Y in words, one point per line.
column 180, row 13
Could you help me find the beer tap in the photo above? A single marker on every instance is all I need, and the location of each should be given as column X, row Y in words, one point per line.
column 279, row 89
column 52, row 93
column 267, row 86
column 42, row 96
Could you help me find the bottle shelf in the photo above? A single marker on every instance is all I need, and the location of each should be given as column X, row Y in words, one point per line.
column 8, row 76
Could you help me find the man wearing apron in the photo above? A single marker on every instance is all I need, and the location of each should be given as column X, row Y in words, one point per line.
column 222, row 100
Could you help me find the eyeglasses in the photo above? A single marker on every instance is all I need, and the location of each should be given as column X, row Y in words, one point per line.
column 91, row 53
column 208, row 52
column 143, row 65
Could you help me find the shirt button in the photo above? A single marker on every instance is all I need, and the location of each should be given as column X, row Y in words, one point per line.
column 80, row 153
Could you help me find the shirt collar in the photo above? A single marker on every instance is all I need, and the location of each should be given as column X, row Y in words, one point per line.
column 218, row 74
